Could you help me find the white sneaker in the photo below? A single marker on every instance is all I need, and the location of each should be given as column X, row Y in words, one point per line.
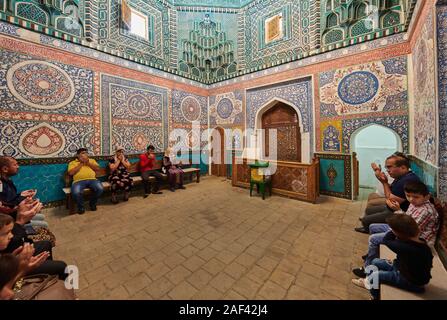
column 359, row 282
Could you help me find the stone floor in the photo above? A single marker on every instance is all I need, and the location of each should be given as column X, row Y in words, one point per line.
column 212, row 241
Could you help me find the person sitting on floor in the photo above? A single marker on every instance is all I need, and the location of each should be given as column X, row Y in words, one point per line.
column 174, row 171
column 13, row 239
column 9, row 273
column 84, row 172
column 13, row 267
column 147, row 169
column 420, row 209
column 398, row 167
column 411, row 270
column 119, row 177
column 10, row 198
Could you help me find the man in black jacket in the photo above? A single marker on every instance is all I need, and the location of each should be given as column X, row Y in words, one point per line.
column 9, row 197
column 411, row 268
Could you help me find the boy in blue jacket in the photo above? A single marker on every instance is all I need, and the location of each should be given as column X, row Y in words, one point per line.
column 411, row 268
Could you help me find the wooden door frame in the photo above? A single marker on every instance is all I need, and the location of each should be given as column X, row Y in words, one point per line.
column 278, row 105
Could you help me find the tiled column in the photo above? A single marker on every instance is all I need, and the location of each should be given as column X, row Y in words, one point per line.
column 442, row 89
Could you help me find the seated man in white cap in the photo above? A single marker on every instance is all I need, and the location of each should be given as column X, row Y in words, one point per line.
column 119, row 177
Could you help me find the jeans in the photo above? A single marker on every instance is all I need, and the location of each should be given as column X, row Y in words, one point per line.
column 378, row 232
column 389, row 274
column 147, row 185
column 78, row 188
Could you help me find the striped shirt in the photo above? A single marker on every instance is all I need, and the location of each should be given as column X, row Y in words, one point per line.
column 427, row 219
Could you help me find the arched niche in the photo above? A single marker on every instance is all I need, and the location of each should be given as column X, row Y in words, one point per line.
column 303, row 137
column 373, row 143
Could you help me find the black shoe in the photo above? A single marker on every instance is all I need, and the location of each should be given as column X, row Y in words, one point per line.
column 157, row 192
column 361, row 230
column 93, row 208
column 359, row 272
column 146, row 195
column 181, row 187
column 172, row 189
column 364, row 257
column 81, row 211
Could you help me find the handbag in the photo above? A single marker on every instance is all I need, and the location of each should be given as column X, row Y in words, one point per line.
column 42, row 287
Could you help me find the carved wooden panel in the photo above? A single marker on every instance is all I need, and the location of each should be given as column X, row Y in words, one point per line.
column 291, row 179
column 243, row 174
column 284, row 120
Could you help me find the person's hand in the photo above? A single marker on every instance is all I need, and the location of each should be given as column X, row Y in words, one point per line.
column 26, row 260
column 393, row 204
column 26, row 210
column 381, row 177
column 29, row 193
column 24, row 254
column 26, row 204
column 37, row 261
column 375, row 167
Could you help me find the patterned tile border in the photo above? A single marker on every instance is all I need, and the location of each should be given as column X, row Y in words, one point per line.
column 88, row 49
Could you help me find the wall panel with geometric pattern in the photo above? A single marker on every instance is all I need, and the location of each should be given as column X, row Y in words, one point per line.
column 354, row 97
column 47, row 107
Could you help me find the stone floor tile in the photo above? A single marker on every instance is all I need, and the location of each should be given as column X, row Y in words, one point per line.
column 219, row 245
column 182, row 291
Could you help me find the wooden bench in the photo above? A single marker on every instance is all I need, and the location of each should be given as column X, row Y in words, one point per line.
column 104, row 173
column 436, row 289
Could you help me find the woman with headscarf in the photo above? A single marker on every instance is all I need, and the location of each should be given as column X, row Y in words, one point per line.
column 174, row 172
column 119, row 177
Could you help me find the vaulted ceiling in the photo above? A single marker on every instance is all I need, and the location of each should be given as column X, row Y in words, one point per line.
column 214, row 40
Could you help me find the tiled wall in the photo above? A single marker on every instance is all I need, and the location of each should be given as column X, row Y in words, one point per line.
column 354, row 97
column 442, row 92
column 424, row 94
column 54, row 102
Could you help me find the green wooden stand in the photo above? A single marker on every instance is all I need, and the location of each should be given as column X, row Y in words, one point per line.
column 258, row 177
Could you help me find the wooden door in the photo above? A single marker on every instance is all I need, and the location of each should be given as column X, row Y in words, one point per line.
column 218, row 167
column 284, row 119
